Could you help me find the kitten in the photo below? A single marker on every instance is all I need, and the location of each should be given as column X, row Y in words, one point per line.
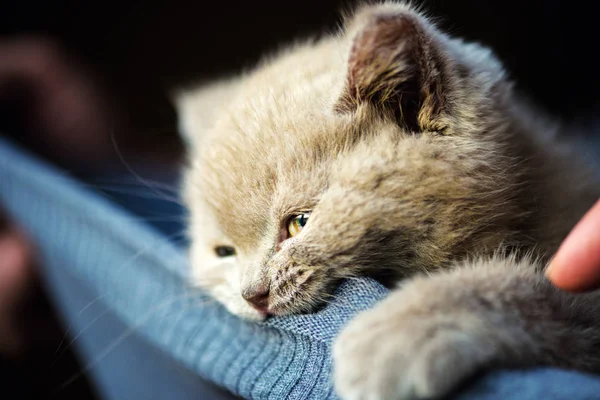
column 393, row 151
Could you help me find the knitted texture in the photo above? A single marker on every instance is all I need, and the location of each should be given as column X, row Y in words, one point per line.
column 141, row 277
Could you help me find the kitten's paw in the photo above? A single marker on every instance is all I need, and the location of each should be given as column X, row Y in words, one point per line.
column 395, row 353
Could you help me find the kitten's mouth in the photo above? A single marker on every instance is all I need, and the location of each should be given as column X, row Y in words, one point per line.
column 300, row 303
column 268, row 312
column 264, row 311
column 290, row 299
column 278, row 308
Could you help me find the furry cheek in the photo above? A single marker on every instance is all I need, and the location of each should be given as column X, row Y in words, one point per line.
column 296, row 284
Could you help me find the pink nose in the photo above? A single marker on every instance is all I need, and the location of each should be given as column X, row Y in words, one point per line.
column 257, row 298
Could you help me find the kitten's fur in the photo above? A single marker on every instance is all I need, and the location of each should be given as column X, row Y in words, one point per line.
column 414, row 155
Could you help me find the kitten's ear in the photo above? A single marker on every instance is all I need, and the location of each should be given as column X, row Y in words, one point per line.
column 396, row 66
column 198, row 107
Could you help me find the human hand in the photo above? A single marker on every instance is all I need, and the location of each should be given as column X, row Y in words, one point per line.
column 576, row 265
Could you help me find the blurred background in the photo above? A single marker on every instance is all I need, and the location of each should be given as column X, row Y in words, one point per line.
column 136, row 50
column 124, row 56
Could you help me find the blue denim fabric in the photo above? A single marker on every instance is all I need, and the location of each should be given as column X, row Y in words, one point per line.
column 126, row 271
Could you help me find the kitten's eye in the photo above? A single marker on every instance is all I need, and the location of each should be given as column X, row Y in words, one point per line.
column 297, row 223
column 224, row 251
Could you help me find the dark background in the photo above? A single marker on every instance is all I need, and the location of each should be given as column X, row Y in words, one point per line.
column 138, row 50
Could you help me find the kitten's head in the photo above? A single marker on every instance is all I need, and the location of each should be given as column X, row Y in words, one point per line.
column 381, row 152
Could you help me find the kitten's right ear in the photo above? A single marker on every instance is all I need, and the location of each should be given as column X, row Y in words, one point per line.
column 197, row 107
column 397, row 66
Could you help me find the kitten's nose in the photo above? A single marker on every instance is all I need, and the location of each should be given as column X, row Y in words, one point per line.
column 258, row 297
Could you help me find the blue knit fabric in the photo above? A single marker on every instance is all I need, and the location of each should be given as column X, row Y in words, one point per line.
column 140, row 276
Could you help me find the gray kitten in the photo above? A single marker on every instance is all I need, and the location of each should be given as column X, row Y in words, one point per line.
column 393, row 151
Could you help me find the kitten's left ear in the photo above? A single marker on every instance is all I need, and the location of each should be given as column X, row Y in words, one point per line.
column 397, row 67
column 198, row 106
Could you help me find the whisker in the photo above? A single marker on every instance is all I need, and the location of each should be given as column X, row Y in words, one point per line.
column 130, row 181
column 158, row 219
column 134, row 257
column 58, row 355
column 136, row 175
column 121, row 338
column 181, row 296
column 132, row 192
column 333, row 300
